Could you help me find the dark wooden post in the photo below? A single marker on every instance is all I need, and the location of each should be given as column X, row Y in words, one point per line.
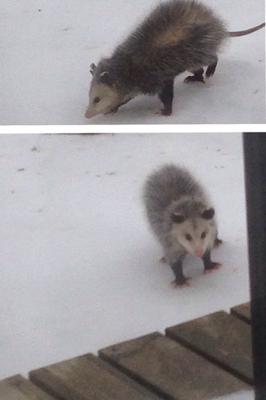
column 255, row 178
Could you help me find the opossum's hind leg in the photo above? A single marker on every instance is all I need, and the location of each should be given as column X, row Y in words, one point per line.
column 211, row 68
column 166, row 96
column 197, row 77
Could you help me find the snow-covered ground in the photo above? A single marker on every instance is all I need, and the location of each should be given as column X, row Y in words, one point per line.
column 239, row 396
column 47, row 46
column 80, row 268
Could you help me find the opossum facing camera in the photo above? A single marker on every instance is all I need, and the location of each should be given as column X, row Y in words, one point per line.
column 178, row 36
column 181, row 217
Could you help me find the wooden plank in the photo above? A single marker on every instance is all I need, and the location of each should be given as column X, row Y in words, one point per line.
column 88, row 378
column 243, row 312
column 18, row 388
column 170, row 369
column 221, row 338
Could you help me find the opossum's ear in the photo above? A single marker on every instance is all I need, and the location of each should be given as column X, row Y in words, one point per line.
column 177, row 218
column 105, row 77
column 208, row 214
column 92, row 68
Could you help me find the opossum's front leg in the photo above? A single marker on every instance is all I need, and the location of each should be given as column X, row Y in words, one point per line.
column 166, row 96
column 177, row 267
column 116, row 108
column 209, row 265
column 112, row 111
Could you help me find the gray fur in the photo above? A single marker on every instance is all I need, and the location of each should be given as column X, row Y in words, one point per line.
column 173, row 190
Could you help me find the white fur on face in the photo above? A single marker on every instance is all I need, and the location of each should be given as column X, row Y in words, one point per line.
column 103, row 99
column 197, row 245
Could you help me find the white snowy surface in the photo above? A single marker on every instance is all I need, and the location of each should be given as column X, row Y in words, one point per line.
column 249, row 395
column 47, row 46
column 80, row 267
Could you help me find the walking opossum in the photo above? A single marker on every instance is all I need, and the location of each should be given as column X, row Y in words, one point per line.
column 178, row 36
column 182, row 218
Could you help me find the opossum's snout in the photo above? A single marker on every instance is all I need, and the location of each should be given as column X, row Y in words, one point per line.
column 89, row 113
column 103, row 99
column 199, row 252
column 195, row 235
column 196, row 244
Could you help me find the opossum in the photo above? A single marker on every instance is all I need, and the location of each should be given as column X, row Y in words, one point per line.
column 182, row 218
column 177, row 36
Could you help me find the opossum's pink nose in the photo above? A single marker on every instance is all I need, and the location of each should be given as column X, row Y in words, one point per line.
column 199, row 252
column 89, row 113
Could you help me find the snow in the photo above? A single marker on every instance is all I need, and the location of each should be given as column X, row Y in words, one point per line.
column 249, row 395
column 47, row 47
column 80, row 267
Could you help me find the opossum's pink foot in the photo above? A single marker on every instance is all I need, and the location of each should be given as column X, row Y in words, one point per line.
column 176, row 284
column 194, row 78
column 214, row 267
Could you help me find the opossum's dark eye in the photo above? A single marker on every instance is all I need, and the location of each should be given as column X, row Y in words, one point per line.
column 203, row 235
column 96, row 100
column 188, row 237
column 208, row 214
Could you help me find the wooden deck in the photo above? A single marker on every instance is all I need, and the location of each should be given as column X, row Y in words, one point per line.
column 200, row 360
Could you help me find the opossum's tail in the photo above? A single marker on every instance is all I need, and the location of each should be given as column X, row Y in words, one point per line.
column 246, row 32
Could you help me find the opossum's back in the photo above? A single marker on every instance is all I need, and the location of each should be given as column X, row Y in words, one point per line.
column 178, row 21
column 169, row 184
